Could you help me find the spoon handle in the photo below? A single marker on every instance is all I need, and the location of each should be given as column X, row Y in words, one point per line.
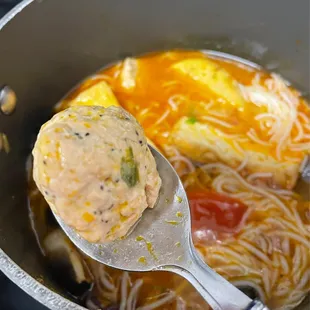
column 218, row 293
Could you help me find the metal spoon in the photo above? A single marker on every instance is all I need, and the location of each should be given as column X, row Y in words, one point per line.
column 162, row 241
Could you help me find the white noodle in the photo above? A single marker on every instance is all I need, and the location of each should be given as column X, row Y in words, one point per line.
column 243, row 220
column 91, row 305
column 217, row 114
column 280, row 192
column 172, row 103
column 300, row 133
column 300, row 147
column 261, row 116
column 296, row 261
column 101, row 76
column 253, row 136
column 281, row 224
column 274, row 277
column 143, row 112
column 251, row 284
column 249, row 186
column 266, row 280
column 262, row 243
column 282, row 289
column 259, row 175
column 299, row 222
column 238, row 147
column 230, row 136
column 106, row 279
column 286, row 246
column 170, row 83
column 284, row 265
column 304, row 117
column 231, row 270
column 255, row 252
column 304, row 280
column 236, row 255
column 159, row 302
column 162, row 118
column 181, row 304
column 133, row 294
column 189, row 164
column 124, row 284
column 219, row 122
column 292, row 236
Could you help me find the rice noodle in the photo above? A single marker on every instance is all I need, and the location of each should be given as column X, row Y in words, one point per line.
column 133, row 294
column 162, row 118
column 106, row 279
column 253, row 136
column 124, row 283
column 259, row 175
column 300, row 133
column 215, row 120
column 293, row 236
column 190, row 166
column 159, row 303
column 251, row 284
column 105, row 77
column 255, row 251
column 239, row 148
column 249, row 186
column 181, row 304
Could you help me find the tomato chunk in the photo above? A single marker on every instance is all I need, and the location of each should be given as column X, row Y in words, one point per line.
column 215, row 213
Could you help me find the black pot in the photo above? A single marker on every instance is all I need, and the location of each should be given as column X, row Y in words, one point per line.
column 47, row 46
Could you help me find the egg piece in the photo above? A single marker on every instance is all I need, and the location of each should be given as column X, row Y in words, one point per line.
column 205, row 143
column 207, row 73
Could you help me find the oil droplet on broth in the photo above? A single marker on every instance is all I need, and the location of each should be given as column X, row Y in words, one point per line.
column 178, row 244
column 179, row 214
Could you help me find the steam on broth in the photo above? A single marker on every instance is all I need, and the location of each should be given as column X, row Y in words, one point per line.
column 238, row 137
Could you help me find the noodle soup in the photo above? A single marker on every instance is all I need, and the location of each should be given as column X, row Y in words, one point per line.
column 238, row 137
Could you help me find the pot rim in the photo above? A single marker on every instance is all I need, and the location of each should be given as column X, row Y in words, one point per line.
column 13, row 12
column 16, row 274
column 36, row 290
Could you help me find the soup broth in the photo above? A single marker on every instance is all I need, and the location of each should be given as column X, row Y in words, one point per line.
column 238, row 137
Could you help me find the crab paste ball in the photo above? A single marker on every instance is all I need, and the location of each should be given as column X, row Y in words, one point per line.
column 94, row 168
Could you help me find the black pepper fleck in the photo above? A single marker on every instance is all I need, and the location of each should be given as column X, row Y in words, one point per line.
column 44, row 162
column 100, row 115
column 112, row 150
column 95, row 212
column 140, row 141
column 100, row 212
column 78, row 135
column 117, row 180
column 106, row 221
column 137, row 133
column 87, row 134
column 112, row 205
column 46, row 192
column 101, row 187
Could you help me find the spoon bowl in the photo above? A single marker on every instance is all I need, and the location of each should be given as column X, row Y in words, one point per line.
column 162, row 240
